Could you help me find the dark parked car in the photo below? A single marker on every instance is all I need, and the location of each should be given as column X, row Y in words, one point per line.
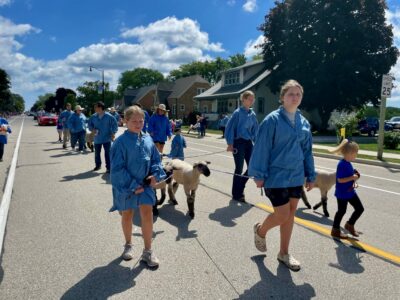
column 393, row 123
column 370, row 126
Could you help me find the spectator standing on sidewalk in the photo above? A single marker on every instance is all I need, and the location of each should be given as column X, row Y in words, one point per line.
column 64, row 116
column 77, row 126
column 104, row 126
column 159, row 127
column 115, row 114
column 241, row 132
column 281, row 159
column 5, row 129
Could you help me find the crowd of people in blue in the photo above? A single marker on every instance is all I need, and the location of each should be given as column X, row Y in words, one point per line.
column 277, row 152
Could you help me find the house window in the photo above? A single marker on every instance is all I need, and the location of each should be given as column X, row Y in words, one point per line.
column 174, row 109
column 182, row 107
column 196, row 106
column 232, row 78
column 260, row 104
column 200, row 90
column 222, row 106
column 205, row 109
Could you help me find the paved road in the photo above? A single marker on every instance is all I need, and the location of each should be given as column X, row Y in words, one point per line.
column 61, row 242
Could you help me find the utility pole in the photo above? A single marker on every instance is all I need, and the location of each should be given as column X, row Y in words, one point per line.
column 385, row 93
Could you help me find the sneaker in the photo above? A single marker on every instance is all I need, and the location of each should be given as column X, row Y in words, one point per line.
column 64, row 146
column 337, row 234
column 128, row 252
column 259, row 241
column 149, row 258
column 351, row 229
column 241, row 199
column 289, row 261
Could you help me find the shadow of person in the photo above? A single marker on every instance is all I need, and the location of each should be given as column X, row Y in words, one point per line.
column 349, row 259
column 105, row 281
column 227, row 215
column 84, row 175
column 280, row 286
column 66, row 153
column 106, row 178
column 178, row 219
column 313, row 216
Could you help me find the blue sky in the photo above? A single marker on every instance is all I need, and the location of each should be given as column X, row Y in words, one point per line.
column 48, row 44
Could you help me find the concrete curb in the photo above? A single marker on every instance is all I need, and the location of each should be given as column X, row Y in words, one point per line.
column 360, row 160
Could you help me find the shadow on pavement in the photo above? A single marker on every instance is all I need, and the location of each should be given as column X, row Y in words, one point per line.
column 349, row 259
column 226, row 215
column 176, row 218
column 313, row 216
column 104, row 282
column 280, row 286
column 106, row 178
column 85, row 175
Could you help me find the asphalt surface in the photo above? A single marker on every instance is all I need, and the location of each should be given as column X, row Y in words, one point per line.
column 61, row 241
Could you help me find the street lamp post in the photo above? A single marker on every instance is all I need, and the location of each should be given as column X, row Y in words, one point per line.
column 102, row 77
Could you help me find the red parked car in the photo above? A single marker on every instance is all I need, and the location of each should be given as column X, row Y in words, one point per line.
column 47, row 119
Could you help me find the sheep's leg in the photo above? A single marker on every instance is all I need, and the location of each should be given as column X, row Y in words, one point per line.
column 304, row 198
column 190, row 196
column 163, row 196
column 172, row 188
column 155, row 209
column 324, row 200
column 316, row 206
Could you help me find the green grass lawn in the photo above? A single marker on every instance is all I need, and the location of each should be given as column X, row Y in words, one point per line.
column 389, row 160
column 369, row 147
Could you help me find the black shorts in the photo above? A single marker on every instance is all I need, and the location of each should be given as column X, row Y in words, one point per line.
column 281, row 196
column 157, row 142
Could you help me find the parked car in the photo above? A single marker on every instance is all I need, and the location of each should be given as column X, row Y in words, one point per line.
column 393, row 123
column 370, row 126
column 47, row 119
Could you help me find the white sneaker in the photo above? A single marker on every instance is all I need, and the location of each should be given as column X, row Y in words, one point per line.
column 128, row 252
column 149, row 258
column 289, row 261
column 259, row 241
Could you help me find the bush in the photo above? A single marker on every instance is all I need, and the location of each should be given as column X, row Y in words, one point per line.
column 392, row 140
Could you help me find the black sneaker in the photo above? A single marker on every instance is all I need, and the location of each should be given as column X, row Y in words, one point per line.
column 96, row 168
column 241, row 199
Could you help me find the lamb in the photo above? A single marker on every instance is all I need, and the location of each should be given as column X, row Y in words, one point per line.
column 324, row 181
column 189, row 176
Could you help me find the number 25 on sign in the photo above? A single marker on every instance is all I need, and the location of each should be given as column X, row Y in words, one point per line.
column 386, row 86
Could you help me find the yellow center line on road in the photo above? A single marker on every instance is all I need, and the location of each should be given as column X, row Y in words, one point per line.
column 325, row 231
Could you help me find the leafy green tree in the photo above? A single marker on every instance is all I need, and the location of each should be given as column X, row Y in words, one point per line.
column 237, row 60
column 338, row 50
column 89, row 95
column 138, row 78
column 5, row 93
column 40, row 102
column 18, row 103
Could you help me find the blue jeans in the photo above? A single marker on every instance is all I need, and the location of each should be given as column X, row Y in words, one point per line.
column 78, row 137
column 242, row 152
column 97, row 152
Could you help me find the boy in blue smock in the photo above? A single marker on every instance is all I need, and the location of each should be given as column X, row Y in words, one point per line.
column 5, row 129
column 177, row 145
column 77, row 126
column 135, row 161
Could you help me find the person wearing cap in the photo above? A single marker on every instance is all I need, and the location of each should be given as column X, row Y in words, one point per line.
column 116, row 115
column 63, row 119
column 104, row 126
column 159, row 127
column 77, row 126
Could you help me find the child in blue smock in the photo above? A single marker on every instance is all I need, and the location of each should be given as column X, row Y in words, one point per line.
column 159, row 127
column 5, row 129
column 346, row 177
column 282, row 158
column 177, row 145
column 134, row 161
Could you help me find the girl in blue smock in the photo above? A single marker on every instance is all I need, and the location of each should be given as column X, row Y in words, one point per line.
column 135, row 169
column 159, row 127
column 177, row 145
column 240, row 134
column 345, row 192
column 282, row 158
column 5, row 129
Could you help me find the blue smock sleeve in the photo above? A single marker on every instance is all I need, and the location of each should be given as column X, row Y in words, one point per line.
column 254, row 130
column 259, row 161
column 114, row 125
column 168, row 129
column 156, row 168
column 121, row 179
column 231, row 128
column 150, row 127
column 90, row 123
column 309, row 168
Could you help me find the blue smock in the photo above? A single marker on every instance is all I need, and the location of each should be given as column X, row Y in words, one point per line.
column 224, row 121
column 344, row 190
column 133, row 158
column 106, row 126
column 76, row 123
column 64, row 116
column 159, row 127
column 3, row 137
column 177, row 145
column 116, row 116
column 243, row 124
column 282, row 155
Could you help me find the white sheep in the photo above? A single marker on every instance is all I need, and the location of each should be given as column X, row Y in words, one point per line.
column 189, row 176
column 324, row 181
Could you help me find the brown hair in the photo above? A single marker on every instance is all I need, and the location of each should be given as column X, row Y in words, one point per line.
column 345, row 147
column 133, row 110
column 246, row 95
column 289, row 84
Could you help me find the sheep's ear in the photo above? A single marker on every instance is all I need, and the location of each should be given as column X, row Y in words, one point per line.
column 195, row 165
column 208, row 162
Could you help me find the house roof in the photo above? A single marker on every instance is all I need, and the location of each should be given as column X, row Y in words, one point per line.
column 140, row 92
column 219, row 91
column 246, row 65
column 184, row 83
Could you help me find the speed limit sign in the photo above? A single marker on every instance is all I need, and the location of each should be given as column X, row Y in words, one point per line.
column 386, row 86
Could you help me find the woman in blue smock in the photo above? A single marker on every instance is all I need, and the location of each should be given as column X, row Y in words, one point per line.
column 5, row 129
column 282, row 158
column 159, row 127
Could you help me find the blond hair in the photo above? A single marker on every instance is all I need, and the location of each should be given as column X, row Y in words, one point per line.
column 345, row 147
column 246, row 94
column 133, row 110
column 289, row 84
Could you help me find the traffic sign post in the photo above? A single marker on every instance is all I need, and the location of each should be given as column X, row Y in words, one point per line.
column 386, row 92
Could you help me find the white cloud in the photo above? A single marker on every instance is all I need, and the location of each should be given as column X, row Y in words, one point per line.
column 163, row 45
column 250, row 49
column 250, row 5
column 393, row 17
column 4, row 2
